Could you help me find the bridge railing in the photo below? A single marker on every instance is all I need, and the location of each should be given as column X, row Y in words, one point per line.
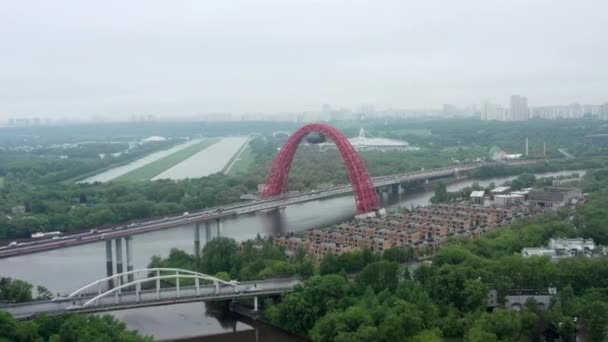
column 116, row 291
column 463, row 167
column 119, row 277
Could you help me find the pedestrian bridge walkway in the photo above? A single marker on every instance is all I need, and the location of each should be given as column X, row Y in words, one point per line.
column 151, row 287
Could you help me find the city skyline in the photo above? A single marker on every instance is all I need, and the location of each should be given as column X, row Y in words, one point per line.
column 81, row 60
column 486, row 110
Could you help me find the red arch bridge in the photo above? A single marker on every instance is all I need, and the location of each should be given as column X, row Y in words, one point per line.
column 366, row 198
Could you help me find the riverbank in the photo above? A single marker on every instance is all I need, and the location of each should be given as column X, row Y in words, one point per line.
column 87, row 263
column 204, row 322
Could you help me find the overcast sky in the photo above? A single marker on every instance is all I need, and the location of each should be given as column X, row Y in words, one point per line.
column 116, row 58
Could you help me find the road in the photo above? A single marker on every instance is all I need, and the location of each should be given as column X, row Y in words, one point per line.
column 218, row 213
column 565, row 153
column 168, row 296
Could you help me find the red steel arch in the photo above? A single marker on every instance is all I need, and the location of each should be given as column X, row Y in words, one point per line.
column 366, row 197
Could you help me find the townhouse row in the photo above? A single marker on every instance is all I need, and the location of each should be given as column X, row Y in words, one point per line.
column 422, row 227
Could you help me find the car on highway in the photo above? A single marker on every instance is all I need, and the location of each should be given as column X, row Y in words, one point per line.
column 13, row 244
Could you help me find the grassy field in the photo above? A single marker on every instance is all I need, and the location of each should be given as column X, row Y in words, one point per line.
column 155, row 168
column 242, row 164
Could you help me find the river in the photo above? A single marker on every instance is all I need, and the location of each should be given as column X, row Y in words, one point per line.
column 200, row 322
column 65, row 270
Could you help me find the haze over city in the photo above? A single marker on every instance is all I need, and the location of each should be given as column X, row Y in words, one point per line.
column 320, row 170
column 114, row 59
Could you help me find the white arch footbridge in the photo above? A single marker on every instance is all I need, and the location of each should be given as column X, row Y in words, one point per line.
column 151, row 287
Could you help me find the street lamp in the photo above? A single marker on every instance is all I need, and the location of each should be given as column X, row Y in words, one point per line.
column 574, row 320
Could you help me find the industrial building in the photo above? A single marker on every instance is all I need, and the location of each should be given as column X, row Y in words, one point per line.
column 562, row 248
column 548, row 197
column 554, row 197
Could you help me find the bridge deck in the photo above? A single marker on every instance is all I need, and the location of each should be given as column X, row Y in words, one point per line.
column 168, row 296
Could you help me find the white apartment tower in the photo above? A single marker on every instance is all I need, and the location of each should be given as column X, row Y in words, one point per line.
column 519, row 108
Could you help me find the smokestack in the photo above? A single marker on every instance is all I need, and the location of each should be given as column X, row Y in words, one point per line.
column 526, row 146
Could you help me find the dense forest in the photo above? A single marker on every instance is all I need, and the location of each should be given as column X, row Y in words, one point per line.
column 67, row 328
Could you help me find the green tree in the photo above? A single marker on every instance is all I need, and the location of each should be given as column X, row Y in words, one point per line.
column 78, row 328
column 8, row 326
column 441, row 194
column 15, row 290
column 501, row 325
column 329, row 265
column 402, row 321
column 223, row 276
column 340, row 325
column 428, row 336
column 43, row 293
column 398, row 254
column 595, row 320
column 219, row 255
column 379, row 275
column 299, row 310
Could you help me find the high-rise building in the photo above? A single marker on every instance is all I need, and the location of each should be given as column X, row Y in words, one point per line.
column 518, row 110
column 491, row 111
column 603, row 112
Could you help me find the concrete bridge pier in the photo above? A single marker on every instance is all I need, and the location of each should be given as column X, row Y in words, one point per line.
column 396, row 188
column 218, row 224
column 208, row 236
column 197, row 240
column 381, row 189
column 109, row 265
column 129, row 247
column 255, row 303
column 118, row 245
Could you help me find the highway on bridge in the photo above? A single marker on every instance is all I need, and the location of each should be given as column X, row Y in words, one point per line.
column 168, row 296
column 218, row 213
